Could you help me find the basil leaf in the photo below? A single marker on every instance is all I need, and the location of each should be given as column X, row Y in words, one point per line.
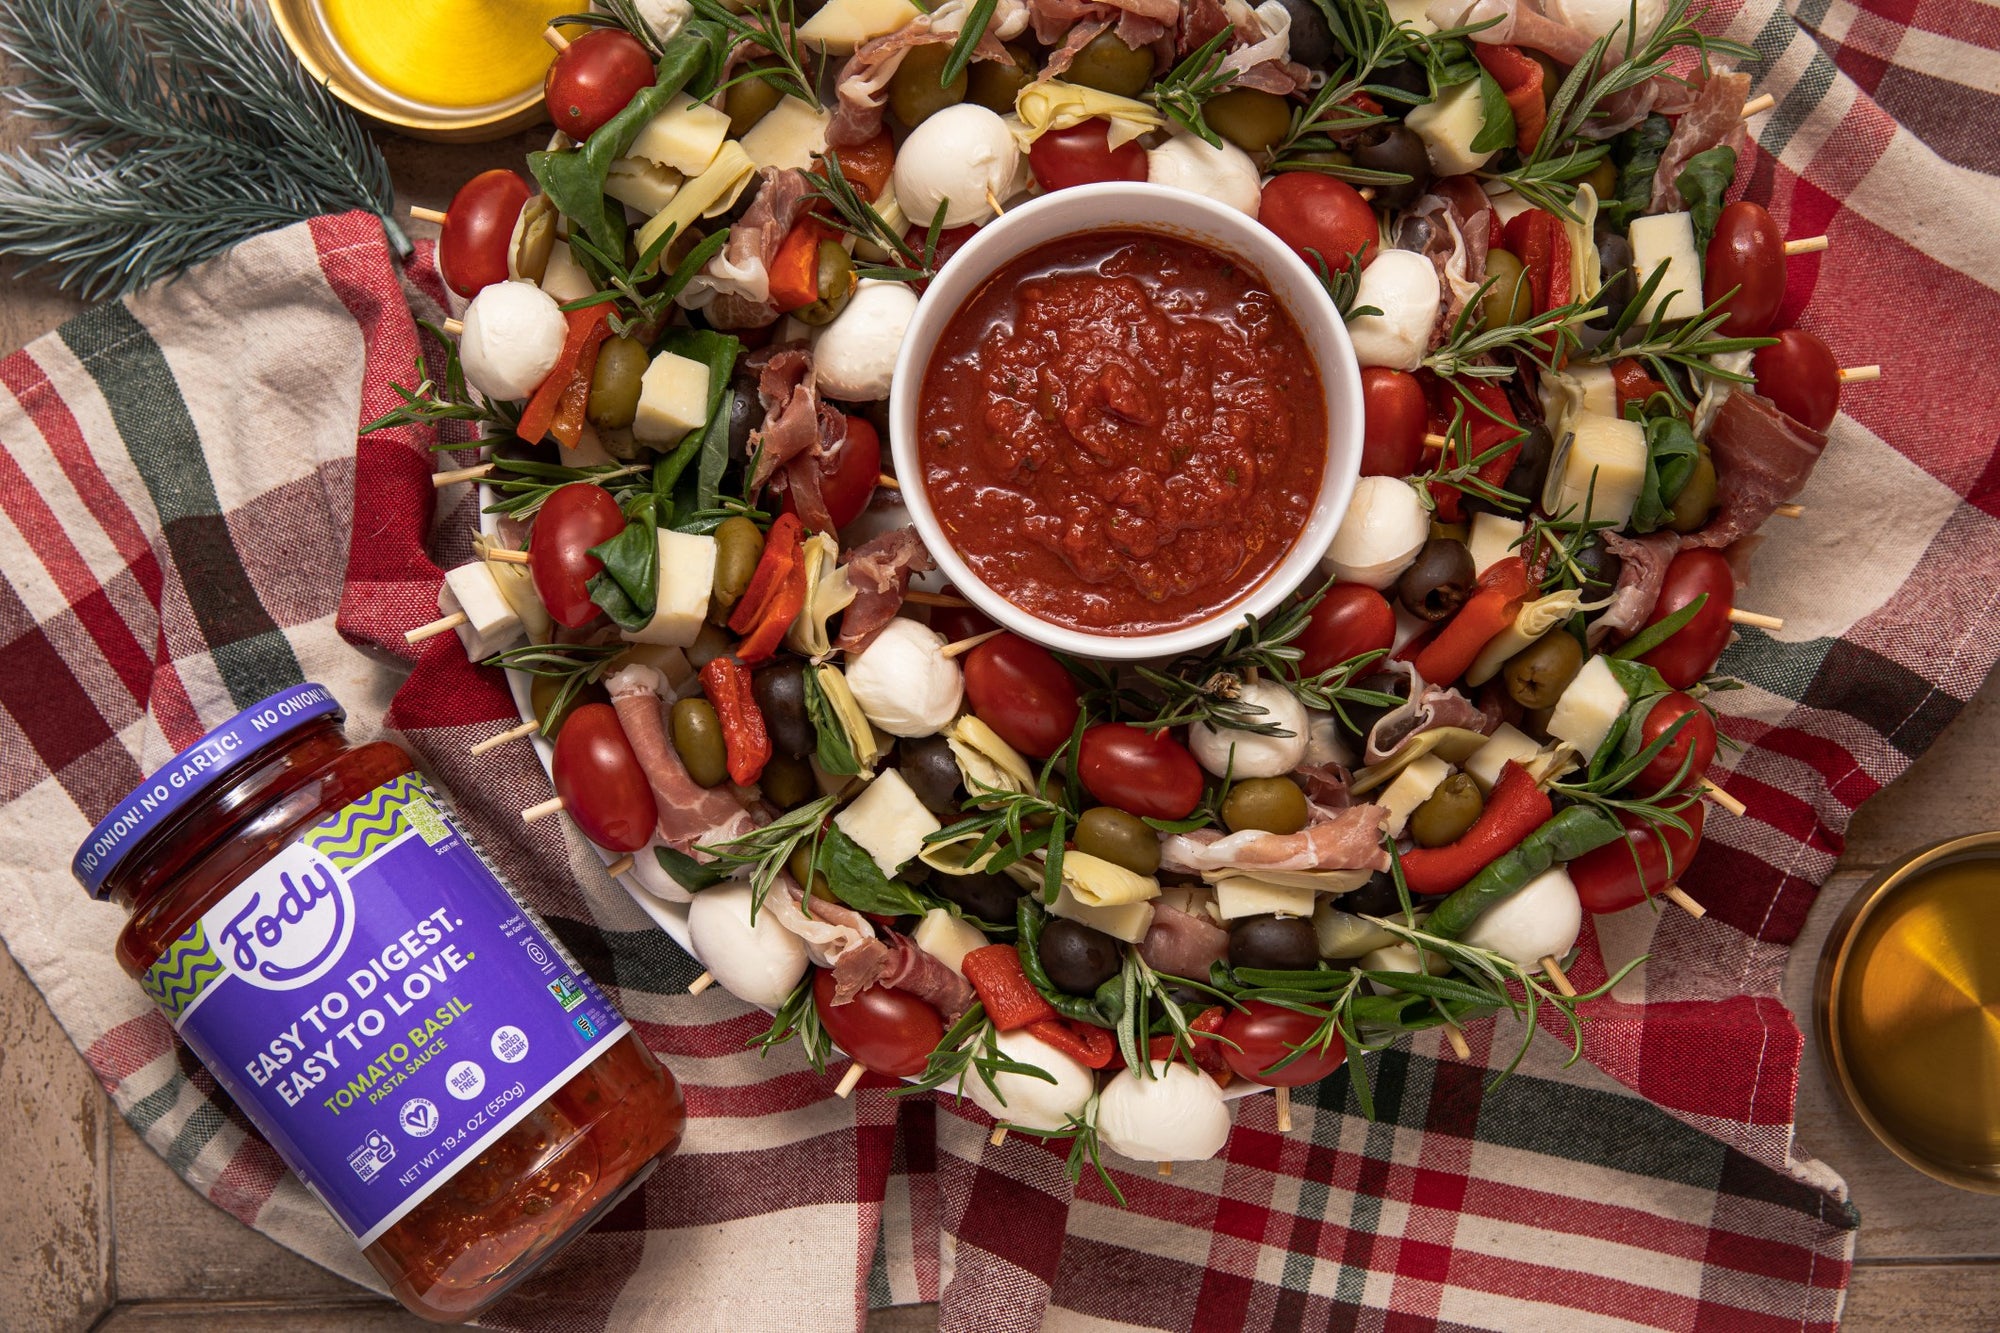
column 1651, row 637
column 1638, row 156
column 1498, row 132
column 857, row 881
column 717, row 351
column 1702, row 183
column 690, row 874
column 1671, row 454
column 628, row 587
column 835, row 754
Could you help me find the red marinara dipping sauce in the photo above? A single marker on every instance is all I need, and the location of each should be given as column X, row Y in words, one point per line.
column 1122, row 432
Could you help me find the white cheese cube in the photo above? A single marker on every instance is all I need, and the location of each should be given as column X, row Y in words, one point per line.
column 1245, row 895
column 1507, row 742
column 686, row 578
column 1448, row 126
column 1125, row 921
column 1604, row 464
column 948, row 938
column 1492, row 539
column 564, row 279
column 1668, row 238
column 788, row 135
column 490, row 622
column 1410, row 14
column 685, row 137
column 842, row 25
column 643, row 185
column 673, row 399
column 1588, row 708
column 888, row 821
column 1412, row 787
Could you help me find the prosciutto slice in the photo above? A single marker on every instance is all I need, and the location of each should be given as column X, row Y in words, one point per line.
column 1140, row 22
column 834, row 936
column 1762, row 459
column 1182, row 944
column 1452, row 226
column 909, row 968
column 1642, row 569
column 1350, row 840
column 1715, row 118
column 1435, row 707
column 862, row 90
column 791, row 404
column 880, row 572
column 689, row 813
column 743, row 268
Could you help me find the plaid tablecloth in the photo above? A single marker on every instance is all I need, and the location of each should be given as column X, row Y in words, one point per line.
column 181, row 495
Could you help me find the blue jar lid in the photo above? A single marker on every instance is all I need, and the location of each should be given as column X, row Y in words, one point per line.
column 191, row 772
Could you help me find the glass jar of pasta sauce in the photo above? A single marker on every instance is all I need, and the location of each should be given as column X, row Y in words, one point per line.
column 415, row 1046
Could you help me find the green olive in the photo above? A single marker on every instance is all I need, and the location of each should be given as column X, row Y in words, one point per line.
column 1110, row 66
column 614, row 385
column 787, row 781
column 748, row 99
column 1124, row 840
column 799, row 866
column 1538, row 674
column 739, row 545
column 1274, row 805
column 1553, row 73
column 915, row 91
column 535, row 239
column 698, row 741
column 1603, row 179
column 1250, row 118
column 1697, row 497
column 1447, row 812
column 836, row 281
column 994, row 84
column 542, row 691
column 1508, row 299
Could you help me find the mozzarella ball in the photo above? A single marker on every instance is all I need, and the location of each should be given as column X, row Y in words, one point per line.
column 1538, row 922
column 1029, row 1102
column 759, row 963
column 1177, row 1115
column 514, row 333
column 665, row 17
column 1255, row 756
column 1594, row 18
column 1385, row 527
column 854, row 358
column 1399, row 957
column 904, row 682
column 1225, row 174
column 1403, row 285
column 958, row 154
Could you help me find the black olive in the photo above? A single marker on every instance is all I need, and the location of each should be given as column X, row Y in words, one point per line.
column 1439, row 581
column 1415, row 233
column 931, row 769
column 1312, row 40
column 1395, row 147
column 1279, row 943
column 988, row 898
column 1405, row 76
column 1614, row 256
column 746, row 413
column 780, row 691
column 1365, row 716
column 1190, row 1000
column 1525, row 479
column 743, row 201
column 1375, row 898
column 1077, row 958
column 1599, row 566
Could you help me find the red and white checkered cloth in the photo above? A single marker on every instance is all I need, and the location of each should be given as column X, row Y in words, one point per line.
column 179, row 481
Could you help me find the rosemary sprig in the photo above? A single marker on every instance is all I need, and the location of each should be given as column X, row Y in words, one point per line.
column 1182, row 90
column 771, row 27
column 522, row 484
column 1472, row 349
column 1454, row 468
column 765, row 850
column 1565, row 539
column 617, row 14
column 445, row 398
column 1684, row 348
column 797, row 1017
column 857, row 217
column 572, row 665
column 970, row 1046
column 1081, row 1133
column 1012, row 826
column 640, row 297
column 1343, row 286
column 976, row 20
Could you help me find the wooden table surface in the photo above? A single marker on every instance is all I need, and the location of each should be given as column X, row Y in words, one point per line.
column 100, row 1232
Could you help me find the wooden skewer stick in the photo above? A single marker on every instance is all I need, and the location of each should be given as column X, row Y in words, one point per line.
column 886, row 480
column 1284, row 1096
column 473, row 473
column 619, row 867
column 915, row 598
column 542, row 811
column 442, row 625
column 998, row 1136
column 1754, row 619
column 1678, row 896
column 1366, row 192
column 993, row 202
column 1557, row 975
column 1806, row 245
column 967, row 645
column 427, row 214
column 454, row 327
column 849, row 1079
column 701, row 983
column 554, row 37
column 511, row 734
column 1456, row 1036
column 507, row 555
column 1789, row 511
column 1435, row 441
column 1761, row 102
column 1166, row 1168
column 1860, row 374
column 1724, row 799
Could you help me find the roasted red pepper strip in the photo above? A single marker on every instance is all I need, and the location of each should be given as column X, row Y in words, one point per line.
column 1521, row 79
column 1516, row 808
column 587, row 331
column 1489, row 421
column 1208, row 1055
column 727, row 684
column 764, row 622
column 1011, row 999
column 1502, row 589
column 567, row 428
column 795, row 269
column 1091, row 1047
column 1634, row 385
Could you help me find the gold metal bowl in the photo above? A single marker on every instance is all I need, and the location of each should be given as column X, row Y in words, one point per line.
column 458, row 71
column 1907, row 1009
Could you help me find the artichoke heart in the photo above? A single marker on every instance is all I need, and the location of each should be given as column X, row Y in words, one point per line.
column 1055, row 105
column 1319, row 881
column 1454, row 745
column 953, row 856
column 1095, row 882
column 867, row 743
column 986, row 762
column 1531, row 622
column 828, row 593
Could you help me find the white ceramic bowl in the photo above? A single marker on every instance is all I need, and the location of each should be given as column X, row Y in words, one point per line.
column 1177, row 213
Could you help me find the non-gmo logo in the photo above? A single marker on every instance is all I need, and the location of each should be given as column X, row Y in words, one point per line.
column 287, row 925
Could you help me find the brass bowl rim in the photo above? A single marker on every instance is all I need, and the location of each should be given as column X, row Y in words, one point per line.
column 1833, row 963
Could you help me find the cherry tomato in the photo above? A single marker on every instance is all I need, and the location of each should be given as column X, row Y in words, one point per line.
column 573, row 519
column 1147, row 773
column 1021, row 691
column 1746, row 253
column 960, row 622
column 1265, row 1034
column 1350, row 620
column 1394, row 417
column 848, row 475
column 1311, row 212
column 888, row 1031
column 867, row 167
column 1610, row 879
column 593, row 79
column 1800, row 377
column 1083, row 155
column 1698, row 734
column 603, row 788
column 478, row 228
column 1687, row 656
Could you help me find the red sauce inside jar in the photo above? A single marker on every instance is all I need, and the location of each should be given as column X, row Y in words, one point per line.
column 1122, row 432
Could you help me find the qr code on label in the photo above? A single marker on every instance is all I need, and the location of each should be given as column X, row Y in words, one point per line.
column 375, row 1152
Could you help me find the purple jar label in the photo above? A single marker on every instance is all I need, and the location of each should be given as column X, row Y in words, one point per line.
column 380, row 1006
